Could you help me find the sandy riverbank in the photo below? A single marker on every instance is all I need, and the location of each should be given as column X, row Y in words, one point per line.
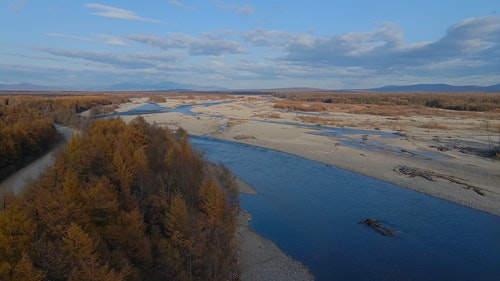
column 459, row 177
column 260, row 258
column 451, row 175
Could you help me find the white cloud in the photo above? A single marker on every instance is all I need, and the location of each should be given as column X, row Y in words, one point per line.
column 119, row 60
column 180, row 4
column 207, row 45
column 112, row 40
column 468, row 51
column 384, row 48
column 117, row 13
column 100, row 39
column 246, row 10
column 66, row 36
column 176, row 3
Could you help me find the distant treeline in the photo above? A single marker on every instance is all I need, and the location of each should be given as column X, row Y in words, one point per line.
column 27, row 125
column 62, row 109
column 452, row 101
column 122, row 202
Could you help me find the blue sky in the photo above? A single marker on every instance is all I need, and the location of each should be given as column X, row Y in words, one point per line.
column 250, row 44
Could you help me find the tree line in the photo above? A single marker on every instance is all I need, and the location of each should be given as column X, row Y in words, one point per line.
column 459, row 101
column 122, row 202
column 27, row 125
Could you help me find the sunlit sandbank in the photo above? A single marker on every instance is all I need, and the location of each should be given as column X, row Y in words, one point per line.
column 418, row 144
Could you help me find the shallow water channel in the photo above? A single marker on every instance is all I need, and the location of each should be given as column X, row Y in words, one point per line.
column 312, row 212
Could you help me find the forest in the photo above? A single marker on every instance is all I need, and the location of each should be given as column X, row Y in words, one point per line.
column 27, row 125
column 123, row 202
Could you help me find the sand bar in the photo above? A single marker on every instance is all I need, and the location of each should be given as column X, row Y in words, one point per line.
column 455, row 176
column 459, row 177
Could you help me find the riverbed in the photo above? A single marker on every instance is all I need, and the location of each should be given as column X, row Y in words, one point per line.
column 312, row 211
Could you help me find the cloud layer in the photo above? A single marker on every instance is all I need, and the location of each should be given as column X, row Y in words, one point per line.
column 117, row 13
column 206, row 45
column 468, row 51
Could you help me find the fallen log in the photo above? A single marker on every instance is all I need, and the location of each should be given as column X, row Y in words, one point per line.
column 377, row 226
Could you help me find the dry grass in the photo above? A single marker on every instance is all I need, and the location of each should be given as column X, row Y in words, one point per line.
column 300, row 106
column 273, row 115
column 452, row 101
column 318, row 120
column 396, row 104
column 200, row 97
column 433, row 125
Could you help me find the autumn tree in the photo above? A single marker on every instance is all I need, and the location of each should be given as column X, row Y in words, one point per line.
column 122, row 202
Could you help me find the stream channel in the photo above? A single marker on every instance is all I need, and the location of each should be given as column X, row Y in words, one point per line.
column 312, row 212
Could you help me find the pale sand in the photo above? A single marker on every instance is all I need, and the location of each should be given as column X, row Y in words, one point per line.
column 243, row 121
column 459, row 173
column 261, row 259
column 258, row 257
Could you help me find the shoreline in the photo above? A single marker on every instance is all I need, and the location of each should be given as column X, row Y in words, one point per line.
column 374, row 166
column 261, row 259
column 464, row 179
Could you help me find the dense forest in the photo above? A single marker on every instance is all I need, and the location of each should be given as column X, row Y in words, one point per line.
column 122, row 202
column 27, row 125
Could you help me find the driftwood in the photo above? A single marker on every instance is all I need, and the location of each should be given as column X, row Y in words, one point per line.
column 377, row 226
column 430, row 176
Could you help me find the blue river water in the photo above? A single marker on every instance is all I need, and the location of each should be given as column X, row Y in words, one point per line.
column 312, row 211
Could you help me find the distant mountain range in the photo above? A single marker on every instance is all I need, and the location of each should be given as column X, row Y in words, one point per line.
column 28, row 87
column 173, row 86
column 436, row 88
column 165, row 86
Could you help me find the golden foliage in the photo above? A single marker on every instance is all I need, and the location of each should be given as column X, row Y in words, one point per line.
column 122, row 202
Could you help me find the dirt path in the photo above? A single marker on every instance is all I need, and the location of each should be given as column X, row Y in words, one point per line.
column 18, row 181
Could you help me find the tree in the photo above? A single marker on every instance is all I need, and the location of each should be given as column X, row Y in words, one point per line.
column 128, row 234
column 180, row 244
column 217, row 225
column 82, row 251
column 101, row 202
column 122, row 201
column 24, row 271
column 16, row 234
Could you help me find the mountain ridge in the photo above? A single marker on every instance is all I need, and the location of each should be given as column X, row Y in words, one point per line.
column 174, row 86
column 437, row 88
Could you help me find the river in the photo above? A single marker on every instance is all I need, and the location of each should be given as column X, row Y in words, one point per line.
column 312, row 211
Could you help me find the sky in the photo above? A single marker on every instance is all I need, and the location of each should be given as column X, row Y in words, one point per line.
column 250, row 44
